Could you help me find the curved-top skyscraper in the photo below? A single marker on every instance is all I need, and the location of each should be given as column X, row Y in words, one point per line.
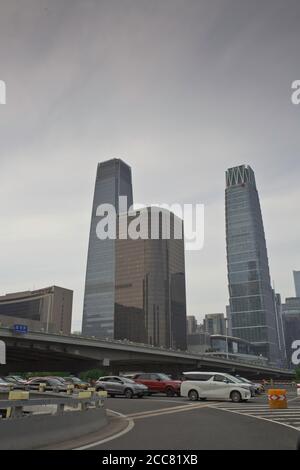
column 252, row 305
column 113, row 180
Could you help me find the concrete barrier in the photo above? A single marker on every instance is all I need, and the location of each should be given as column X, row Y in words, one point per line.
column 36, row 431
column 39, row 430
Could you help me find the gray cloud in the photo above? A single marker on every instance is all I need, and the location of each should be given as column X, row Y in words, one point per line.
column 181, row 89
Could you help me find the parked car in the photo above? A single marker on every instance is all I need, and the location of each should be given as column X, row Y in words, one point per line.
column 17, row 383
column 213, row 385
column 78, row 383
column 5, row 386
column 52, row 384
column 249, row 384
column 257, row 387
column 159, row 383
column 18, row 378
column 115, row 385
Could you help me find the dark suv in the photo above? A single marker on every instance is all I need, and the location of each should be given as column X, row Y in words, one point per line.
column 159, row 383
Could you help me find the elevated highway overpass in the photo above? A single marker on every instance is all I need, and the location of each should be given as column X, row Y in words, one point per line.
column 37, row 351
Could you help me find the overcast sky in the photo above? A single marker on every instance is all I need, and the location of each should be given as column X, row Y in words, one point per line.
column 181, row 90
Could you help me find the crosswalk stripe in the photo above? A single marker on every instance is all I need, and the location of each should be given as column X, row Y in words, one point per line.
column 289, row 417
column 270, row 410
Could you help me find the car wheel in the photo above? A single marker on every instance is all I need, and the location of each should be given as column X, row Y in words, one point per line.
column 236, row 397
column 170, row 392
column 128, row 393
column 193, row 395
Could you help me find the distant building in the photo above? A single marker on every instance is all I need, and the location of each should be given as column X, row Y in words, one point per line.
column 215, row 324
column 291, row 323
column 297, row 282
column 192, row 324
column 199, row 342
column 280, row 329
column 228, row 320
column 113, row 179
column 252, row 304
column 150, row 295
column 48, row 309
column 235, row 348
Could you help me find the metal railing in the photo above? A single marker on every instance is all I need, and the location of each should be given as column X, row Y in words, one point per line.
column 14, row 408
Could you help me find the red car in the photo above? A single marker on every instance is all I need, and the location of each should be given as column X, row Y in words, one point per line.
column 159, row 383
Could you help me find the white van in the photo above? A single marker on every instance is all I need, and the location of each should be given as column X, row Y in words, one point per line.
column 213, row 385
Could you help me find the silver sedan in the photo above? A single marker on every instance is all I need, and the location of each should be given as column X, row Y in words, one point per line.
column 115, row 385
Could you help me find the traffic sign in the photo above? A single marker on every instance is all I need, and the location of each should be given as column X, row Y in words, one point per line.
column 21, row 329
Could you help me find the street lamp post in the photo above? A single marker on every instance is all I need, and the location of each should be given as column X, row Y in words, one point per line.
column 226, row 333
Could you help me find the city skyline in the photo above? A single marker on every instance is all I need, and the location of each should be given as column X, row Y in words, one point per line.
column 169, row 116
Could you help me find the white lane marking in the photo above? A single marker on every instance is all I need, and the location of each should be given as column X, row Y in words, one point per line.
column 293, row 399
column 172, row 401
column 280, row 418
column 129, row 427
column 270, row 412
column 164, row 401
column 256, row 417
column 278, row 415
column 170, row 411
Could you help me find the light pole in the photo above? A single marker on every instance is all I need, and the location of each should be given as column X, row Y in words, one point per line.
column 226, row 336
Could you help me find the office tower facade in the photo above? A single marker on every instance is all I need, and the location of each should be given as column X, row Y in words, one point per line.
column 297, row 282
column 150, row 297
column 113, row 179
column 291, row 324
column 192, row 324
column 252, row 301
column 215, row 324
column 48, row 309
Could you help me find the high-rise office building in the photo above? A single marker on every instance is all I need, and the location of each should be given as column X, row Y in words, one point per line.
column 191, row 324
column 291, row 323
column 297, row 282
column 48, row 309
column 252, row 300
column 113, row 180
column 150, row 297
column 215, row 324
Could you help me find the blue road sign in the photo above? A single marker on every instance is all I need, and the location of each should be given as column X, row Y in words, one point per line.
column 21, row 329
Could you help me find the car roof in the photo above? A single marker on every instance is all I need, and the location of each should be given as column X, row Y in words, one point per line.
column 109, row 377
column 200, row 373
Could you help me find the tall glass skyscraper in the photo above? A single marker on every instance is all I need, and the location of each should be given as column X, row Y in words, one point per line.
column 113, row 180
column 150, row 299
column 252, row 300
column 297, row 283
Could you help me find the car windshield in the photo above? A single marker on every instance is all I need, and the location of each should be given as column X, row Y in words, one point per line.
column 129, row 381
column 76, row 380
column 54, row 382
column 232, row 379
column 163, row 377
column 245, row 381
